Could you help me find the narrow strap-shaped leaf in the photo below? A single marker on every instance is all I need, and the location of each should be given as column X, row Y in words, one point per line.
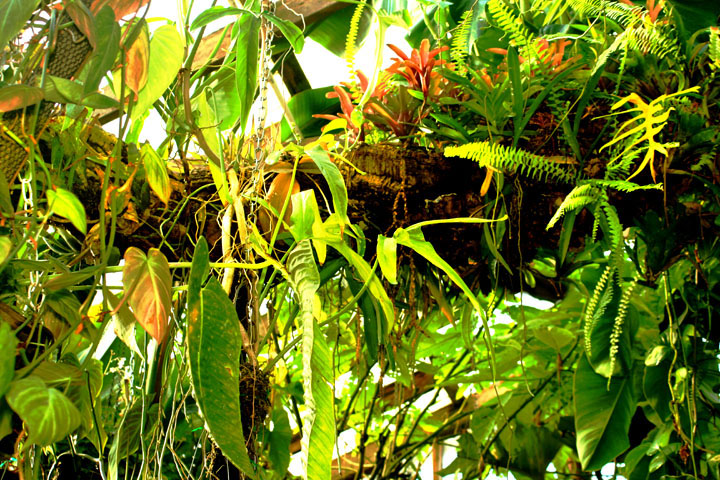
column 319, row 423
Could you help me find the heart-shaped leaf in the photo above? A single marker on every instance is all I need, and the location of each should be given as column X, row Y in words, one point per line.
column 148, row 283
column 48, row 414
column 64, row 203
column 137, row 58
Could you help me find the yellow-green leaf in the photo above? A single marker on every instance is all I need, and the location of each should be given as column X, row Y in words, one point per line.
column 147, row 280
column 65, row 204
column 156, row 172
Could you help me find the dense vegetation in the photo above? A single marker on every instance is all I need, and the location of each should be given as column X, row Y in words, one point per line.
column 504, row 245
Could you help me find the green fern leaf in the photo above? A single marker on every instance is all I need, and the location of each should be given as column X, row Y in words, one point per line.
column 580, row 196
column 500, row 157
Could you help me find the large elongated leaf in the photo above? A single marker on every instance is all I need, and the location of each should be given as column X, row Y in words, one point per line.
column 13, row 15
column 65, row 204
column 18, row 96
column 147, row 279
column 213, row 344
column 602, row 415
column 319, row 422
column 156, row 173
column 108, row 45
column 334, row 179
column 48, row 414
column 246, row 63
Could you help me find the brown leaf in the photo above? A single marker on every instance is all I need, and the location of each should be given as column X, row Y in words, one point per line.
column 136, row 62
column 121, row 8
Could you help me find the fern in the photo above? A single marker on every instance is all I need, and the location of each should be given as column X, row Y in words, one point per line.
column 651, row 121
column 499, row 157
column 351, row 39
column 648, row 39
column 625, row 15
column 617, row 327
column 511, row 24
column 624, row 185
column 580, row 197
column 461, row 40
column 596, row 306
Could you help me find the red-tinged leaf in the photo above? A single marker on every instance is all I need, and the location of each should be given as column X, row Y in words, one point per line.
column 83, row 20
column 19, row 96
column 148, row 283
column 137, row 59
column 121, row 8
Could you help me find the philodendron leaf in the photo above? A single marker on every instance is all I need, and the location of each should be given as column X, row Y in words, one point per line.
column 213, row 345
column 602, row 415
column 65, row 204
column 18, row 96
column 387, row 257
column 319, row 423
column 48, row 414
column 148, row 283
column 167, row 50
column 8, row 342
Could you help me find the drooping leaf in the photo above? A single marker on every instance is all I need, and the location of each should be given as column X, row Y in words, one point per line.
column 213, row 343
column 289, row 30
column 48, row 414
column 319, row 423
column 279, row 440
column 602, row 415
column 137, row 61
column 166, row 57
column 13, row 16
column 157, row 173
column 147, row 280
column 8, row 343
column 19, row 96
column 65, row 204
column 108, row 45
column 62, row 90
column 83, row 20
column 217, row 12
column 69, row 279
column 246, row 63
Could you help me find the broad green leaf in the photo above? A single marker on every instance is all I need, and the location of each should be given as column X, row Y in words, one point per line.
column 124, row 321
column 279, row 440
column 167, row 50
column 13, row 16
column 65, row 304
column 602, row 415
column 304, row 106
column 517, row 91
column 555, row 337
column 48, row 414
column 199, row 271
column 387, row 257
column 156, row 172
column 62, row 90
column 331, row 30
column 334, row 179
column 656, row 389
column 246, row 63
column 289, row 30
column 8, row 343
column 213, row 344
column 305, row 213
column 147, row 281
column 83, row 20
column 65, row 204
column 318, row 437
column 206, row 120
column 373, row 327
column 137, row 61
column 19, row 96
column 59, row 374
column 108, row 45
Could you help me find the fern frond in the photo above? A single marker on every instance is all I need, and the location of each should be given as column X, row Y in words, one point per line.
column 596, row 306
column 624, row 15
column 580, row 197
column 648, row 39
column 461, row 39
column 500, row 157
column 510, row 23
column 624, row 185
column 618, row 325
column 351, row 39
column 614, row 234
